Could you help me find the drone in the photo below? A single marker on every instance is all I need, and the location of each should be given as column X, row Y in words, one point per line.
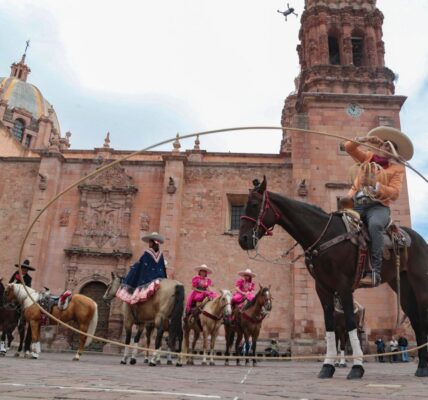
column 287, row 12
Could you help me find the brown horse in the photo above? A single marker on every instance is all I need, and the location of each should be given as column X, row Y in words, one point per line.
column 210, row 320
column 334, row 267
column 81, row 309
column 164, row 309
column 247, row 323
column 340, row 328
column 9, row 320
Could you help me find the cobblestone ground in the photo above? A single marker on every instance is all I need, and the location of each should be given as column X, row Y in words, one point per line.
column 95, row 377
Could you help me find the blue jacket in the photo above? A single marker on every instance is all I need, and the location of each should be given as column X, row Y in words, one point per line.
column 151, row 266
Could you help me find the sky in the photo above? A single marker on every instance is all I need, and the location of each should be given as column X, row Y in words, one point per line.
column 144, row 70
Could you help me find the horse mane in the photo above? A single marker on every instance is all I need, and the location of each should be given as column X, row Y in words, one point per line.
column 253, row 302
column 305, row 206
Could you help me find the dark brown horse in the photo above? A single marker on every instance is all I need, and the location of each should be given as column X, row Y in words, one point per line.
column 334, row 268
column 10, row 319
column 247, row 323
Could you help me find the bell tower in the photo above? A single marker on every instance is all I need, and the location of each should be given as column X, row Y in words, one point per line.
column 343, row 88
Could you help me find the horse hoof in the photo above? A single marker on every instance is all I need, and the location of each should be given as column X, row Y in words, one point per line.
column 342, row 365
column 356, row 372
column 254, row 363
column 204, row 363
column 212, row 363
column 327, row 371
column 34, row 356
column 158, row 362
column 146, row 361
column 152, row 364
column 422, row 372
column 17, row 354
column 179, row 365
column 2, row 354
column 169, row 362
column 226, row 363
column 133, row 361
column 123, row 362
column 76, row 358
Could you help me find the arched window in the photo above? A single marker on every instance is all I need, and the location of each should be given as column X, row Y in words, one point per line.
column 27, row 140
column 333, row 50
column 357, row 51
column 18, row 129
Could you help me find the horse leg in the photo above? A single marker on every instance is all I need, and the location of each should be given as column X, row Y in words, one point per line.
column 149, row 330
column 158, row 342
column 35, row 338
column 237, row 343
column 213, row 339
column 82, row 339
column 21, row 331
column 196, row 335
column 253, row 348
column 205, row 338
column 230, row 335
column 417, row 313
column 3, row 344
column 327, row 302
column 347, row 301
column 28, row 338
column 137, row 336
column 342, row 348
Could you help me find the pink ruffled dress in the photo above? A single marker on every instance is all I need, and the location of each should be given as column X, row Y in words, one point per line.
column 246, row 287
column 199, row 295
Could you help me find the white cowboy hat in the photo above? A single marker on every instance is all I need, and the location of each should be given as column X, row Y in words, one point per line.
column 402, row 141
column 203, row 267
column 247, row 272
column 156, row 237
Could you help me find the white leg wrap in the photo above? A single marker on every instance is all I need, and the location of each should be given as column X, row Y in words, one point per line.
column 342, row 357
column 169, row 356
column 134, row 353
column 330, row 339
column 356, row 347
column 2, row 347
column 125, row 354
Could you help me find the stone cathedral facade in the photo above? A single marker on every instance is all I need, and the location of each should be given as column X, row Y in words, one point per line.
column 195, row 197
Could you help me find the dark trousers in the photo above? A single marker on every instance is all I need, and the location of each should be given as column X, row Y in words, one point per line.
column 376, row 217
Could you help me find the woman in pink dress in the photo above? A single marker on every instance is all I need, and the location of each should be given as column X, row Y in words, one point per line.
column 201, row 284
column 244, row 287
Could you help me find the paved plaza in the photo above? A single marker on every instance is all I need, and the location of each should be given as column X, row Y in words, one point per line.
column 95, row 377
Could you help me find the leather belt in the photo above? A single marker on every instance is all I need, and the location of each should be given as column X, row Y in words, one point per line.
column 364, row 201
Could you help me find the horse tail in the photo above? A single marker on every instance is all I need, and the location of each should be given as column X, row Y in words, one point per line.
column 92, row 325
column 176, row 327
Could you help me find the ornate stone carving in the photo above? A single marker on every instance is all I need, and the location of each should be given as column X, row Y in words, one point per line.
column 64, row 217
column 43, row 182
column 104, row 214
column 302, row 190
column 144, row 222
column 171, row 188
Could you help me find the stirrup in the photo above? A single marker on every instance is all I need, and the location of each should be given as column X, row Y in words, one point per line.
column 371, row 279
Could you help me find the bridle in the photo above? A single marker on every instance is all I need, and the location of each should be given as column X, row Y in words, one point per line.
column 265, row 206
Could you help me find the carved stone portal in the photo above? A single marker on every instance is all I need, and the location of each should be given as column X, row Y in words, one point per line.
column 104, row 214
column 144, row 222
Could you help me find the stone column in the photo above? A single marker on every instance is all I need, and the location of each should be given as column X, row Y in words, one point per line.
column 169, row 224
column 36, row 247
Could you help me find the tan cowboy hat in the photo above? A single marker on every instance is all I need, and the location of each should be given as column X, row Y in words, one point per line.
column 26, row 264
column 156, row 237
column 402, row 141
column 203, row 267
column 247, row 272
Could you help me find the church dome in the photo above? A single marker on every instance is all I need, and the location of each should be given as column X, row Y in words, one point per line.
column 20, row 94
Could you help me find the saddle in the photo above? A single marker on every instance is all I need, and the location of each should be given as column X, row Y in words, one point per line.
column 394, row 238
column 48, row 301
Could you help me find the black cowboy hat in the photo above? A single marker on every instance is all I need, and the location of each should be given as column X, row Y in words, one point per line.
column 26, row 264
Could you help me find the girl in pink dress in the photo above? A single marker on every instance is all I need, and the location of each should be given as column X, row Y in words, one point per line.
column 200, row 284
column 244, row 287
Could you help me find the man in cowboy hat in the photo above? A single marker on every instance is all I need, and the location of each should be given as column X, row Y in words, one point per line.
column 151, row 265
column 25, row 267
column 378, row 182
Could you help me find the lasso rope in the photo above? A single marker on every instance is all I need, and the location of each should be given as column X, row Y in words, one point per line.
column 203, row 133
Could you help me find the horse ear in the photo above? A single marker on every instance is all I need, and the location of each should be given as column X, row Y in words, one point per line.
column 261, row 287
column 262, row 187
column 112, row 274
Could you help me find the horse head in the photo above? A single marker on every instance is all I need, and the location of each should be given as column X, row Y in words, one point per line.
column 259, row 218
column 9, row 294
column 112, row 287
column 264, row 298
column 225, row 302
